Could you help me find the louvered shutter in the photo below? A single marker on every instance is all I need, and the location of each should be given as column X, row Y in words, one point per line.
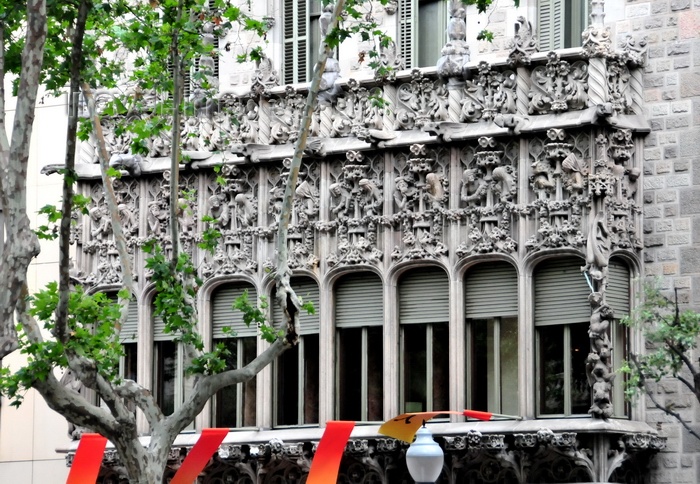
column 295, row 40
column 159, row 333
column 130, row 328
column 561, row 293
column 307, row 289
column 407, row 8
column 550, row 24
column 424, row 297
column 359, row 301
column 223, row 315
column 618, row 293
column 492, row 291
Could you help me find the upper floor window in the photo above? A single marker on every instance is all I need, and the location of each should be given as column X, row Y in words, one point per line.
column 297, row 370
column 168, row 368
column 562, row 314
column 129, row 339
column 234, row 406
column 424, row 315
column 302, row 39
column 492, row 338
column 560, row 23
column 421, row 35
column 359, row 318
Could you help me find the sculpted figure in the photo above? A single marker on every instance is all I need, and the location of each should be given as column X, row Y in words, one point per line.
column 341, row 200
column 373, row 201
column 434, row 189
column 403, row 195
column 575, row 169
column 501, row 175
column 598, row 250
column 219, row 210
column 473, row 190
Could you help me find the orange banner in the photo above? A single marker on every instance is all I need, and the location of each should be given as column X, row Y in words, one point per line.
column 199, row 456
column 87, row 460
column 405, row 426
column 326, row 463
column 478, row 415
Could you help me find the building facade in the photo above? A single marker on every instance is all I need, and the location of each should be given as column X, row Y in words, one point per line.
column 473, row 243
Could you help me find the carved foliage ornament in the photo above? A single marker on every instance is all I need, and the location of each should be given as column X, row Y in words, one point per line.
column 421, row 101
column 558, row 86
column 490, row 93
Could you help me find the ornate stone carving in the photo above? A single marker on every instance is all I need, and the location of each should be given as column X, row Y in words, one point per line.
column 618, row 86
column 634, row 51
column 355, row 113
column 558, row 86
column 455, row 53
column 489, row 189
column 490, row 93
column 305, row 210
column 524, row 43
column 420, row 101
column 390, row 60
column 559, row 180
column 286, row 117
column 356, row 209
column 236, row 122
column 265, row 76
column 233, row 205
column 420, row 198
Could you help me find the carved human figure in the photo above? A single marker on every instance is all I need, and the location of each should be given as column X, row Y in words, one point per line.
column 598, row 250
column 218, row 209
column 573, row 166
column 403, row 195
column 434, row 190
column 541, row 177
column 373, row 197
column 340, row 203
column 245, row 213
column 629, row 186
column 474, row 189
column 308, row 199
column 101, row 227
column 505, row 179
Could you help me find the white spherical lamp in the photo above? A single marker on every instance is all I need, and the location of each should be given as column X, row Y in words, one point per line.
column 424, row 458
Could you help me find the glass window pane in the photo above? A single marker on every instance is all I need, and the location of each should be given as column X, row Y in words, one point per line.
column 166, row 364
column 480, row 355
column 430, row 40
column 249, row 347
column 375, row 373
column 130, row 361
column 349, row 374
column 551, row 369
column 288, row 387
column 226, row 399
column 441, row 367
column 509, row 366
column 414, row 367
column 311, row 378
column 580, row 389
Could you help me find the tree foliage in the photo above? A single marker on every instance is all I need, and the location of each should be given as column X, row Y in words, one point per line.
column 672, row 338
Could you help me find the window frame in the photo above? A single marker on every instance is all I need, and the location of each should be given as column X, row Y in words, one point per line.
column 408, row 30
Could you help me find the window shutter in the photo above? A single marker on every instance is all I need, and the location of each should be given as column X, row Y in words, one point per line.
column 223, row 315
column 130, row 328
column 618, row 293
column 492, row 291
column 159, row 333
column 561, row 293
column 295, row 40
column 550, row 24
column 359, row 301
column 424, row 297
column 405, row 33
column 307, row 289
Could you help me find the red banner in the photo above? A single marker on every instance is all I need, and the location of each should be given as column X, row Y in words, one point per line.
column 324, row 467
column 87, row 460
column 199, row 456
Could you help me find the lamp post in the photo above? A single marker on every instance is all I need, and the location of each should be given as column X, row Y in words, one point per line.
column 424, row 458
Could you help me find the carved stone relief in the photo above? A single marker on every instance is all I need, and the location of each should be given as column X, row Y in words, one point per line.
column 233, row 203
column 558, row 178
column 525, row 43
column 489, row 93
column 356, row 209
column 305, row 213
column 421, row 202
column 455, row 53
column 488, row 193
column 354, row 112
column 558, row 86
column 421, row 101
column 100, row 242
column 286, row 116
